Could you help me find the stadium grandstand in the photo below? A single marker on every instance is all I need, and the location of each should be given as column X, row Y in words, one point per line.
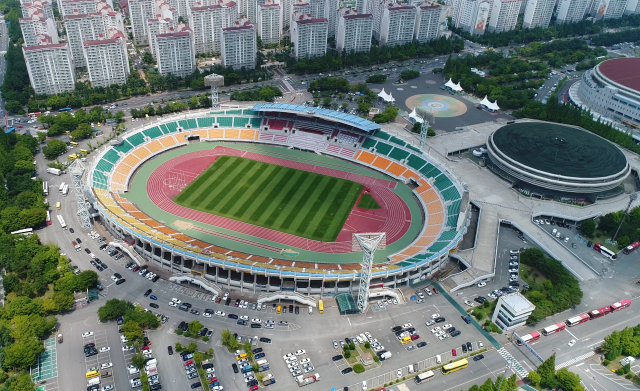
column 443, row 201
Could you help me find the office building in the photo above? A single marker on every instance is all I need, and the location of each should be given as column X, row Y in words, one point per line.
column 81, row 28
column 504, row 15
column 107, row 60
column 270, row 22
column 354, row 31
column 50, row 68
column 512, row 311
column 139, row 12
column 309, row 35
column 239, row 45
column 36, row 25
column 175, row 52
column 429, row 18
column 397, row 24
column 537, row 13
column 208, row 20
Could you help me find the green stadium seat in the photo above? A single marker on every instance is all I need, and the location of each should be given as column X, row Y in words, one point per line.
column 451, row 194
column 430, row 171
column 225, row 121
column 153, row 132
column 135, row 139
column 248, row 112
column 396, row 140
column 448, row 235
column 99, row 180
column 172, row 126
column 437, row 246
column 368, row 143
column 413, row 148
column 256, row 122
column 383, row 149
column 217, row 112
column 382, row 135
column 206, row 122
column 124, row 148
column 111, row 156
column 104, row 166
column 398, row 154
column 192, row 123
column 442, row 182
column 238, row 112
column 240, row 122
column 164, row 129
column 415, row 162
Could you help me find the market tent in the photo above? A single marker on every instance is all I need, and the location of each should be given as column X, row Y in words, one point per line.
column 386, row 97
column 491, row 106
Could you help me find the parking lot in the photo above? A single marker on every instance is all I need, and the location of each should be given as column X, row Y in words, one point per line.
column 100, row 362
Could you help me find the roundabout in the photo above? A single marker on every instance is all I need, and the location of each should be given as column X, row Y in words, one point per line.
column 441, row 105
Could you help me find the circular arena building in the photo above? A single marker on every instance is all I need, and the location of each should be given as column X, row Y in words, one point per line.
column 268, row 199
column 555, row 160
column 612, row 89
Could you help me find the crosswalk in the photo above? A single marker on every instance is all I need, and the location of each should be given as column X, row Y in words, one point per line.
column 575, row 360
column 519, row 369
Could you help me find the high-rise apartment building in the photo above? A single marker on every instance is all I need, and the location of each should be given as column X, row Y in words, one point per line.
column 610, row 9
column 270, row 22
column 139, row 12
column 36, row 26
column 81, row 28
column 37, row 7
column 317, row 8
column 472, row 15
column 206, row 21
column 354, row 31
column 309, row 35
column 239, row 45
column 175, row 52
column 68, row 7
column 397, row 24
column 298, row 6
column 107, row 60
column 429, row 18
column 571, row 11
column 165, row 22
column 537, row 13
column 50, row 68
column 285, row 6
column 504, row 15
column 331, row 12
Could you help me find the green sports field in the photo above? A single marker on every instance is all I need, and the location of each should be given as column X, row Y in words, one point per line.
column 296, row 202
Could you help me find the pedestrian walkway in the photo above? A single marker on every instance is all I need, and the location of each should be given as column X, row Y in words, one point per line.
column 516, row 365
column 575, row 360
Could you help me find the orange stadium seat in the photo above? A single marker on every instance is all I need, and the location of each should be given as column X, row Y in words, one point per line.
column 366, row 157
column 410, row 174
column 182, row 237
column 198, row 243
column 139, row 215
column 429, row 196
column 382, row 163
column 432, row 229
column 141, row 152
column 425, row 240
column 424, row 186
column 231, row 133
column 411, row 251
column 436, row 219
column 155, row 146
column 131, row 160
column 166, row 230
column 247, row 134
column 153, row 224
column 119, row 178
column 202, row 133
column 216, row 133
column 168, row 141
column 396, row 169
column 181, row 137
column 434, row 207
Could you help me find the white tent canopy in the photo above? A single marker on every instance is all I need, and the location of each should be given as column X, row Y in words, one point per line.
column 386, row 97
column 491, row 106
column 453, row 86
column 415, row 116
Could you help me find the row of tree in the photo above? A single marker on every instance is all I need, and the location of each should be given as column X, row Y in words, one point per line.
column 196, row 102
column 559, row 53
column 547, row 377
column 264, row 93
column 630, row 229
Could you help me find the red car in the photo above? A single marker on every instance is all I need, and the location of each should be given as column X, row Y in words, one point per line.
column 146, row 347
column 453, row 352
column 135, row 269
column 254, row 387
column 19, row 126
column 435, row 290
column 213, row 380
column 414, row 337
column 188, row 363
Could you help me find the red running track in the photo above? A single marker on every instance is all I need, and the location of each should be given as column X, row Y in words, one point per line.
column 171, row 177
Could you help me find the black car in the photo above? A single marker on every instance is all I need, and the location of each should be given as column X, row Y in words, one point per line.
column 146, row 294
column 154, row 305
column 228, row 301
column 257, row 350
column 396, row 329
column 241, row 322
column 78, row 240
column 170, row 350
column 338, row 357
column 234, row 367
column 101, row 269
column 120, row 320
column 181, row 325
column 450, row 330
column 91, row 352
column 464, row 348
column 94, row 387
column 421, row 344
column 410, row 329
column 89, row 345
column 196, row 385
column 155, row 387
column 265, row 340
column 86, row 250
column 156, row 278
column 207, row 366
column 256, row 326
column 347, row 370
column 456, row 333
column 514, row 283
column 480, row 299
column 71, row 230
column 347, row 341
column 188, row 305
column 232, row 316
column 440, row 319
column 478, row 357
column 290, row 308
column 183, row 308
column 260, row 355
column 185, row 327
column 469, row 347
column 120, row 281
column 297, row 310
column 398, row 333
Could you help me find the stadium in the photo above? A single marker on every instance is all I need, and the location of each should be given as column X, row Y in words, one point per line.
column 611, row 89
column 555, row 160
column 268, row 198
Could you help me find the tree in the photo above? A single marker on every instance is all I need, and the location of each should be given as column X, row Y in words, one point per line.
column 192, row 347
column 53, row 149
column 534, row 378
column 119, row 116
column 22, row 355
column 138, row 360
column 41, row 137
column 588, row 227
column 547, row 372
column 22, row 382
column 114, row 308
column 358, row 368
column 132, row 331
column 86, row 279
column 568, row 380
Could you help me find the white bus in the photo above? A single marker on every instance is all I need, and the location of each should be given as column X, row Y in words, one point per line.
column 425, row 376
column 61, row 220
column 65, row 190
column 61, row 187
column 26, row 231
column 48, row 218
column 45, row 188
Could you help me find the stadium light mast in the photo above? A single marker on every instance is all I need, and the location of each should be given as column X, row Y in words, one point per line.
column 369, row 243
column 76, row 169
column 427, row 119
column 632, row 198
column 214, row 81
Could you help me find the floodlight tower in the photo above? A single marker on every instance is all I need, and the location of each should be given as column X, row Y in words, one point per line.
column 369, row 243
column 76, row 169
column 427, row 119
column 214, row 81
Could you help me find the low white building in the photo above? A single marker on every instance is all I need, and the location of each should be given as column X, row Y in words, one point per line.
column 50, row 68
column 354, row 31
column 239, row 46
column 309, row 35
column 512, row 311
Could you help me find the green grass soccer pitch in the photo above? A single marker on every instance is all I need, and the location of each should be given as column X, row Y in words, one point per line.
column 296, row 202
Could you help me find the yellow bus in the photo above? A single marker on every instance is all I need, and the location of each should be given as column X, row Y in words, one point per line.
column 58, row 205
column 320, row 306
column 84, row 152
column 91, row 374
column 279, row 310
column 454, row 366
column 72, row 157
column 405, row 340
column 73, row 144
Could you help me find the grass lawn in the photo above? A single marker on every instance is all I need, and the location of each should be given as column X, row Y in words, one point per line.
column 296, row 202
column 367, row 202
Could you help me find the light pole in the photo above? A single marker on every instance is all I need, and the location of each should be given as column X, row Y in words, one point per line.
column 509, row 366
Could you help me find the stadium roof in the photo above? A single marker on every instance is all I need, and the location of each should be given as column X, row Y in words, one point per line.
column 623, row 71
column 559, row 149
column 333, row 115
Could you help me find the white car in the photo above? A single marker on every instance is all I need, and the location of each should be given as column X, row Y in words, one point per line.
column 435, row 316
column 482, row 284
column 244, row 317
column 442, row 337
column 300, row 352
column 431, row 322
column 467, row 302
column 292, row 365
column 364, row 385
column 172, row 304
column 177, row 301
column 220, row 313
column 126, row 347
column 107, row 388
column 571, row 343
column 289, row 355
column 480, row 345
column 378, row 348
column 87, row 334
column 131, row 367
column 368, row 334
column 256, row 320
column 399, row 373
column 304, row 361
column 207, row 314
column 406, row 325
column 446, row 326
column 106, row 365
column 104, row 349
column 114, row 278
column 491, row 295
column 395, row 301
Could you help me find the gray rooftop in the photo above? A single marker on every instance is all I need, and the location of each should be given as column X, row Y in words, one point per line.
column 333, row 115
column 518, row 302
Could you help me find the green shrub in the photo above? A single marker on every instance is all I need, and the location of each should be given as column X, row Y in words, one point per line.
column 179, row 331
column 629, row 376
column 187, row 334
column 352, row 346
column 347, row 354
column 376, row 359
column 367, row 345
column 431, row 132
column 205, row 339
column 606, row 362
column 358, row 368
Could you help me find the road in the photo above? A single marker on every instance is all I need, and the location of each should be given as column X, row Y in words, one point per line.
column 4, row 44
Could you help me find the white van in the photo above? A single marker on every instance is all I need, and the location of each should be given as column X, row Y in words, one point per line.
column 438, row 359
column 262, row 362
column 93, row 381
column 514, row 252
column 151, row 362
column 410, row 368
